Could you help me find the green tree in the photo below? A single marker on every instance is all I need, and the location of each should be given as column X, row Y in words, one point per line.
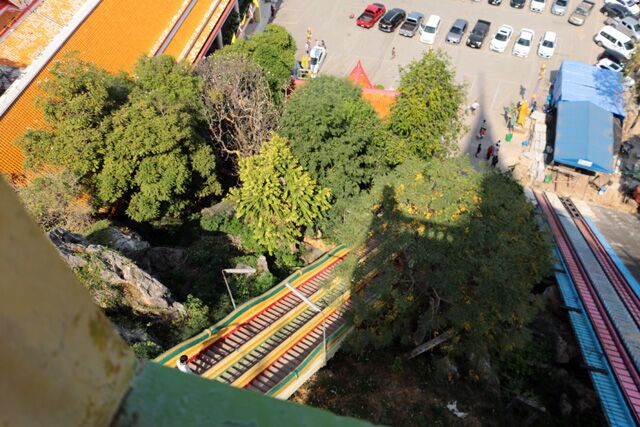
column 277, row 196
column 54, row 200
column 133, row 143
column 426, row 120
column 467, row 252
column 274, row 50
column 335, row 134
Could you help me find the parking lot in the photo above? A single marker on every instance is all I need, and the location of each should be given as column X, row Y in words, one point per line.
column 494, row 79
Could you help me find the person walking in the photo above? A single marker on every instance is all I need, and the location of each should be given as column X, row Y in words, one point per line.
column 307, row 47
column 489, row 151
column 323, row 44
column 483, row 130
column 479, row 149
column 183, row 364
column 474, row 106
column 494, row 161
column 393, row 52
column 273, row 11
column 497, row 148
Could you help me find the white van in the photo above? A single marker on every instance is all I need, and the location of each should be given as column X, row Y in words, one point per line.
column 613, row 39
column 429, row 30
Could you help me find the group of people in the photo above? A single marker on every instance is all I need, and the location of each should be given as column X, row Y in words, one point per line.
column 492, row 150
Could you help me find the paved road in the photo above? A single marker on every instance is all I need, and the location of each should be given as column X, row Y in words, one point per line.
column 494, row 79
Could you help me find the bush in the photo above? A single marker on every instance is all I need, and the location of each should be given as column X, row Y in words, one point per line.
column 197, row 317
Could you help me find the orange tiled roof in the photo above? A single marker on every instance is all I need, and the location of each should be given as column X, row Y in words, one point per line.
column 113, row 36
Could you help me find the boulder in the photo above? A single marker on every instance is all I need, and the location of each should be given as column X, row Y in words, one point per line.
column 115, row 279
column 125, row 241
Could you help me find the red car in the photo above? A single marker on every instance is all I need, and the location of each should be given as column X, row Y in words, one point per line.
column 371, row 14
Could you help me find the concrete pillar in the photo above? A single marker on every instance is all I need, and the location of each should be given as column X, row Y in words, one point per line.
column 219, row 43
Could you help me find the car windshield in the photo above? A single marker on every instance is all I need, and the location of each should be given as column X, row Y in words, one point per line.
column 523, row 42
column 429, row 29
column 628, row 45
column 547, row 43
column 455, row 30
column 636, row 28
column 501, row 37
column 561, row 2
column 580, row 11
column 314, row 61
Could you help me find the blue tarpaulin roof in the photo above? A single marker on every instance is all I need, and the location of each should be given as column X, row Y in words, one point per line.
column 577, row 81
column 584, row 136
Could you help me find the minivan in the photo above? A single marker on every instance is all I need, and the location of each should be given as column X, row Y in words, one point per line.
column 429, row 31
column 610, row 38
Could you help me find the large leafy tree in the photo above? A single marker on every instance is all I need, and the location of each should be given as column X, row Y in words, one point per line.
column 426, row 120
column 134, row 143
column 467, row 252
column 277, row 197
column 274, row 50
column 335, row 134
column 238, row 105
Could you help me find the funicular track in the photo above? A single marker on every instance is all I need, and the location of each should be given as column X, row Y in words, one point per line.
column 620, row 359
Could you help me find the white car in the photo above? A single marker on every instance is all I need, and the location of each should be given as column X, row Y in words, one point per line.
column 629, row 4
column 537, row 6
column 316, row 59
column 429, row 30
column 547, row 45
column 607, row 64
column 501, row 38
column 523, row 44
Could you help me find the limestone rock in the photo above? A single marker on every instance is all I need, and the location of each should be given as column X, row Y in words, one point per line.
column 125, row 241
column 115, row 279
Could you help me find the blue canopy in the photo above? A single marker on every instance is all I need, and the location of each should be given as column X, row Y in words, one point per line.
column 584, row 137
column 577, row 81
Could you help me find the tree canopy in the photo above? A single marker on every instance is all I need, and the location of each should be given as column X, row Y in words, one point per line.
column 427, row 119
column 238, row 105
column 274, row 50
column 335, row 134
column 135, row 142
column 466, row 254
column 277, row 196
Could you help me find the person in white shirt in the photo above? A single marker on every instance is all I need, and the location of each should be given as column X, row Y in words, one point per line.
column 183, row 364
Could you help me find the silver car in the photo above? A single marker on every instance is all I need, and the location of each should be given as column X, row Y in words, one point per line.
column 457, row 31
column 560, row 7
column 411, row 24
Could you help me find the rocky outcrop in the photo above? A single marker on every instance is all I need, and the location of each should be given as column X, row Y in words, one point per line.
column 113, row 279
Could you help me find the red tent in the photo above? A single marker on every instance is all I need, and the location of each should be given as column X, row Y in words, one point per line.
column 359, row 77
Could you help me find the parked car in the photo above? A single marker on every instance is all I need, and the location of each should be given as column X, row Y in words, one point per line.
column 495, row 2
column 411, row 25
column 518, row 4
column 616, row 40
column 559, row 7
column 391, row 20
column 371, row 14
column 537, row 6
column 547, row 45
column 478, row 34
column 316, row 59
column 630, row 5
column 523, row 44
column 501, row 38
column 429, row 31
column 583, row 10
column 615, row 10
column 628, row 25
column 607, row 64
column 457, row 30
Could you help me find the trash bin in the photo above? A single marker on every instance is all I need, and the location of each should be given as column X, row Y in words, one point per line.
column 509, row 137
column 548, row 179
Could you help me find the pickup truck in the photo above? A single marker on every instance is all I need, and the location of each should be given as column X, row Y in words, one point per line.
column 579, row 16
column 411, row 25
column 371, row 14
column 478, row 34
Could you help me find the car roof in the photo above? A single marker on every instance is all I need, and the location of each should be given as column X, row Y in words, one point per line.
column 460, row 22
column 630, row 20
column 433, row 19
column 616, row 33
column 415, row 15
column 550, row 35
column 380, row 5
column 395, row 11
